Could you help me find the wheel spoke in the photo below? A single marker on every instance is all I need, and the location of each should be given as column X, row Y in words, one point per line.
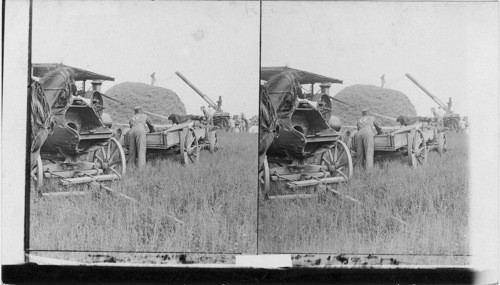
column 419, row 160
column 191, row 139
column 99, row 158
column 341, row 173
column 338, row 158
column 341, row 165
column 98, row 153
column 116, row 172
column 115, row 162
column 325, row 160
column 113, row 153
column 334, row 158
column 108, row 152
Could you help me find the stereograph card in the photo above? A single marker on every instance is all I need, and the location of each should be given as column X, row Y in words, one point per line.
column 144, row 146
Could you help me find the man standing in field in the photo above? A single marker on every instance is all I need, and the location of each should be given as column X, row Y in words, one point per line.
column 245, row 122
column 462, row 125
column 210, row 114
column 365, row 147
column 137, row 136
column 232, row 125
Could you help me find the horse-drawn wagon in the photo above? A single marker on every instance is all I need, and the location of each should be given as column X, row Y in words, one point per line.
column 184, row 138
column 414, row 140
column 299, row 139
column 76, row 146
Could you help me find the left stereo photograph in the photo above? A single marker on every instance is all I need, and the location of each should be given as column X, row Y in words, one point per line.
column 143, row 131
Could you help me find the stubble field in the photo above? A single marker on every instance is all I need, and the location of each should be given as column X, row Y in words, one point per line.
column 215, row 199
column 217, row 202
column 433, row 200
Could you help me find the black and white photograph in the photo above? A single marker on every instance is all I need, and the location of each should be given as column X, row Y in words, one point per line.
column 250, row 141
column 144, row 126
column 366, row 127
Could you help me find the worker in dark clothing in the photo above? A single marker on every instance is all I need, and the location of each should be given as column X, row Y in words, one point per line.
column 137, row 136
column 365, row 147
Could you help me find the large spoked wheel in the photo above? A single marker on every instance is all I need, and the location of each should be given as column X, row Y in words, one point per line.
column 37, row 174
column 111, row 158
column 190, row 152
column 265, row 179
column 213, row 142
column 442, row 145
column 338, row 161
column 417, row 149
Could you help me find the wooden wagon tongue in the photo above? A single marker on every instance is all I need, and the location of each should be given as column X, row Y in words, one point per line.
column 88, row 179
column 85, row 172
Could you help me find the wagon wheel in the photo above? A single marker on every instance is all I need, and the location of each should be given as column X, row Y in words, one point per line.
column 265, row 179
column 418, row 149
column 111, row 158
column 37, row 174
column 338, row 161
column 442, row 145
column 213, row 141
column 190, row 152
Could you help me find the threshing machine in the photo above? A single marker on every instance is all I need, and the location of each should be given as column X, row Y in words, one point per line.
column 450, row 119
column 220, row 118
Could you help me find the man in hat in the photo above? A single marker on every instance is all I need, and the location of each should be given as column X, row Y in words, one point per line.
column 137, row 136
column 365, row 147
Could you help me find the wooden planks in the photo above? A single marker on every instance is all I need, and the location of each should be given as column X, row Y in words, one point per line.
column 314, row 182
column 79, row 180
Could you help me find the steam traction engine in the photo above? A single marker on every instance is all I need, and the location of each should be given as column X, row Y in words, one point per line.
column 81, row 148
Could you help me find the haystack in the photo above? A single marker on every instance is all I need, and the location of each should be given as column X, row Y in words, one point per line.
column 383, row 101
column 152, row 98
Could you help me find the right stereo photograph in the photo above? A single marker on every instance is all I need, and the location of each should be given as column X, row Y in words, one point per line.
column 365, row 124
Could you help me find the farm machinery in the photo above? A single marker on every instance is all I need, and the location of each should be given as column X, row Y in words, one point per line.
column 307, row 149
column 320, row 99
column 220, row 118
column 451, row 119
column 80, row 148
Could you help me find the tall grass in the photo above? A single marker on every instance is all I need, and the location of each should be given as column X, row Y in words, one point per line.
column 433, row 200
column 216, row 199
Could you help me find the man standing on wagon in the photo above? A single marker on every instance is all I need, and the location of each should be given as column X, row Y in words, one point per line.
column 365, row 146
column 137, row 136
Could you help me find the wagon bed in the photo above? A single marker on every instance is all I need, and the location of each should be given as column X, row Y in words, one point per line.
column 414, row 140
column 185, row 138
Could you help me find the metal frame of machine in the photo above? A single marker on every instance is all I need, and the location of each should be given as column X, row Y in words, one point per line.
column 308, row 150
column 80, row 149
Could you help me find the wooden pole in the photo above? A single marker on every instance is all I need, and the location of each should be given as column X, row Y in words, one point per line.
column 347, row 197
column 118, row 194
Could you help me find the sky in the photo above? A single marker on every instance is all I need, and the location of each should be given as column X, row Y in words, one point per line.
column 214, row 44
column 450, row 48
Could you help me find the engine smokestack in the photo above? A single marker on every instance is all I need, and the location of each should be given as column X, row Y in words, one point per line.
column 96, row 86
